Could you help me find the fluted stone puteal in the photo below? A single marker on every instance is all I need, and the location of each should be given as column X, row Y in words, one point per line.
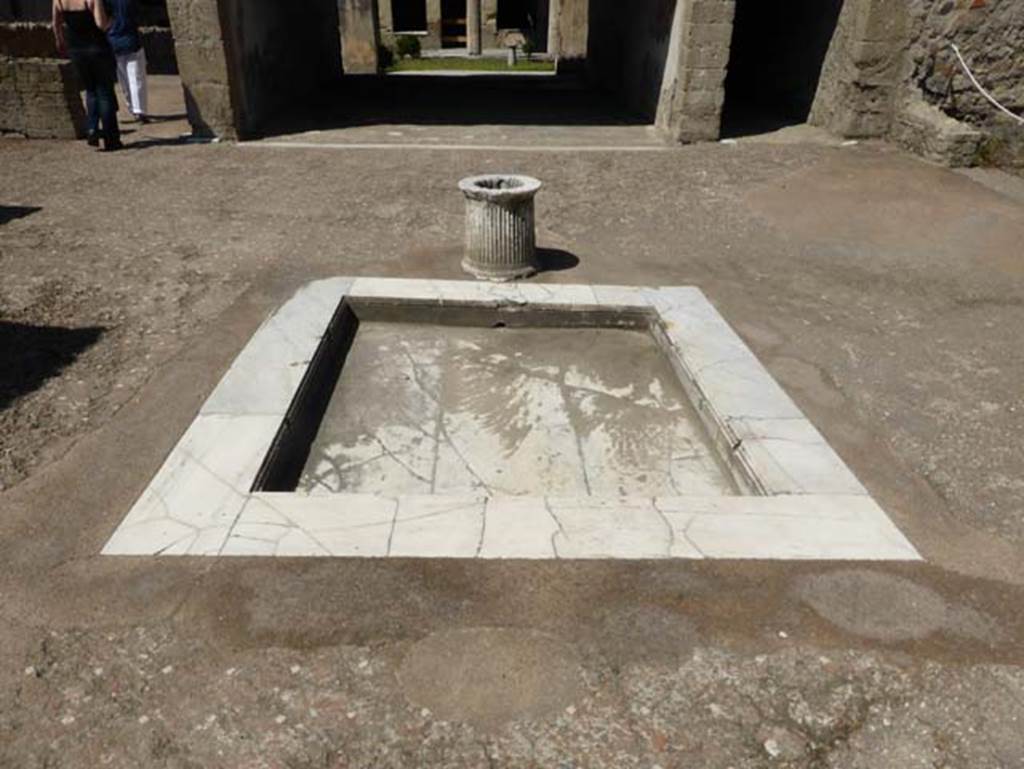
column 500, row 230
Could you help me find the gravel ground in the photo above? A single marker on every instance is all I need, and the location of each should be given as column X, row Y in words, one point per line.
column 884, row 293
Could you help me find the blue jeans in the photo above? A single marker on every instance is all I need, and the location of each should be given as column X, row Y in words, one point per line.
column 97, row 71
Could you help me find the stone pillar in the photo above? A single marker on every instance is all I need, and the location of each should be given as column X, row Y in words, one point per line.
column 573, row 29
column 500, row 235
column 473, row 28
column 859, row 84
column 554, row 38
column 204, row 57
column 693, row 83
column 360, row 36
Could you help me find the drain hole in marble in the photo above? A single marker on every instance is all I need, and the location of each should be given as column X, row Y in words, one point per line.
column 548, row 407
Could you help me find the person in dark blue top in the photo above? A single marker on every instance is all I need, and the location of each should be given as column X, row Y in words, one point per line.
column 79, row 27
column 126, row 40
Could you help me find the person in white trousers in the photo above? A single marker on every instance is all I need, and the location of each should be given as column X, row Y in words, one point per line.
column 126, row 40
column 131, row 74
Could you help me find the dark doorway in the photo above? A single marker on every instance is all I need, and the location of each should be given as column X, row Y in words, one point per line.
column 409, row 15
column 517, row 14
column 453, row 23
column 778, row 49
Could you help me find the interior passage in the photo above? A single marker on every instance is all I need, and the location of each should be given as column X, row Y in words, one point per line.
column 778, row 49
column 421, row 409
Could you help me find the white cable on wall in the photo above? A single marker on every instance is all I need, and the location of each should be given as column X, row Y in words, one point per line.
column 981, row 89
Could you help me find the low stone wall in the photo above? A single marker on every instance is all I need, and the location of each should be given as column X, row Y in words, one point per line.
column 27, row 40
column 39, row 98
column 34, row 40
column 924, row 130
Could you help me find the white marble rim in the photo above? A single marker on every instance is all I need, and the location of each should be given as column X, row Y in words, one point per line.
column 801, row 501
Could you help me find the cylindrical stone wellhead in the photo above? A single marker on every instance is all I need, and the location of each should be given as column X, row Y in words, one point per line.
column 500, row 238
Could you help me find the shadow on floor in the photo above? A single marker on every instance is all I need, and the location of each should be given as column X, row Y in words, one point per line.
column 555, row 260
column 751, row 119
column 466, row 100
column 177, row 141
column 29, row 355
column 166, row 118
column 10, row 213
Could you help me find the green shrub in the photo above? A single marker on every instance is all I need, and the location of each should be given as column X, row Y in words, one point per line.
column 407, row 46
column 385, row 57
column 529, row 47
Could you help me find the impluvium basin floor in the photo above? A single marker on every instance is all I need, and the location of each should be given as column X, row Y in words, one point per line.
column 427, row 409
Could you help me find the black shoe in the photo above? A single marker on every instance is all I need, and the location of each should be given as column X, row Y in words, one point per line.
column 112, row 145
column 92, row 139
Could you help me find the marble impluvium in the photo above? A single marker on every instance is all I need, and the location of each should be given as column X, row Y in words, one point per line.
column 688, row 449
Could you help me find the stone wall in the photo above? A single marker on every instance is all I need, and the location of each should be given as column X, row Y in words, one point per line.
column 39, row 98
column 891, row 72
column 860, row 80
column 202, row 54
column 693, row 91
column 27, row 41
column 244, row 61
column 989, row 33
column 666, row 58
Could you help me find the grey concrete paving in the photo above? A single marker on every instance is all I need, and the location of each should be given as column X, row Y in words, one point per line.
column 423, row 409
column 884, row 293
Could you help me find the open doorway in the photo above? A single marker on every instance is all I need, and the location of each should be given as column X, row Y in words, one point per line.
column 409, row 15
column 778, row 49
column 453, row 23
column 449, row 98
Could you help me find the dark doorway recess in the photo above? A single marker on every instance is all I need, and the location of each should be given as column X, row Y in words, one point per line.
column 778, row 49
column 440, row 101
column 453, row 23
column 29, row 355
column 518, row 14
column 409, row 15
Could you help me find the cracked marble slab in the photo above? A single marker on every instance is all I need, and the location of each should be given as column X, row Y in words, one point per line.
column 437, row 496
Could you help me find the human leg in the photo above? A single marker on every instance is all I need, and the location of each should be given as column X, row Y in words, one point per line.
column 123, row 81
column 136, row 71
column 105, row 73
column 92, row 117
column 88, row 81
column 107, row 102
